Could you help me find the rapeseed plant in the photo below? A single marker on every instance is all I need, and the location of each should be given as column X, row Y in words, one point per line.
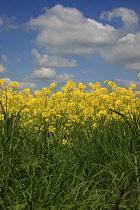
column 72, row 101
column 69, row 149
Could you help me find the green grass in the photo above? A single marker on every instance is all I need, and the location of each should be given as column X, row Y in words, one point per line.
column 38, row 172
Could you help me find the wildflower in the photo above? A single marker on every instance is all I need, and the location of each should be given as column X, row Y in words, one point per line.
column 52, row 129
column 90, row 84
column 70, row 85
column 81, row 86
column 26, row 91
column 70, row 106
column 37, row 93
column 133, row 86
column 106, row 81
column 46, row 91
column 53, row 85
column 14, row 84
column 1, row 82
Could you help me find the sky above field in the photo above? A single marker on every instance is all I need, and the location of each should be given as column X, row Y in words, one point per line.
column 45, row 41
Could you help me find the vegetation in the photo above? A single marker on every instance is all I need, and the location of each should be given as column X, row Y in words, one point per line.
column 70, row 149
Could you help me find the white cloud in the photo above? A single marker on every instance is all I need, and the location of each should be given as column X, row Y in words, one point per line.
column 30, row 85
column 3, row 70
column 126, row 83
column 126, row 51
column 62, row 78
column 8, row 23
column 64, row 30
column 22, row 85
column 128, row 16
column 7, row 80
column 4, row 58
column 52, row 61
column 43, row 74
column 130, row 38
column 47, row 74
column 133, row 66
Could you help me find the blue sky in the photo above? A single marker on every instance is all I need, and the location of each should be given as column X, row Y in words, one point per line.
column 42, row 41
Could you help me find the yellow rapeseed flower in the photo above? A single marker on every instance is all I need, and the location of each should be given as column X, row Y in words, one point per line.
column 46, row 91
column 81, row 86
column 14, row 84
column 70, row 106
column 133, row 86
column 53, row 85
column 1, row 82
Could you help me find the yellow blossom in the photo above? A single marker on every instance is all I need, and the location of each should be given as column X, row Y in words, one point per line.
column 46, row 91
column 52, row 129
column 14, row 84
column 53, row 85
column 81, row 86
column 1, row 82
column 70, row 106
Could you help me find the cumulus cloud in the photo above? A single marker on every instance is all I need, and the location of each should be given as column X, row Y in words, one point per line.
column 62, row 78
column 7, row 80
column 43, row 74
column 30, row 85
column 126, row 51
column 133, row 66
column 64, row 30
column 52, row 61
column 126, row 83
column 22, row 85
column 8, row 23
column 47, row 74
column 3, row 70
column 128, row 16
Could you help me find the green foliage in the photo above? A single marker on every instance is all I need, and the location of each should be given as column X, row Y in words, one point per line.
column 39, row 172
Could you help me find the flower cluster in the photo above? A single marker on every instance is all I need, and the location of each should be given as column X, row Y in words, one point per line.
column 73, row 106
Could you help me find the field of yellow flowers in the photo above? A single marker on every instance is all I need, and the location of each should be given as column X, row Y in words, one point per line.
column 72, row 105
column 70, row 149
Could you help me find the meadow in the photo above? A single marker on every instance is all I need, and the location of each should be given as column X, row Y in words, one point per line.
column 73, row 149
